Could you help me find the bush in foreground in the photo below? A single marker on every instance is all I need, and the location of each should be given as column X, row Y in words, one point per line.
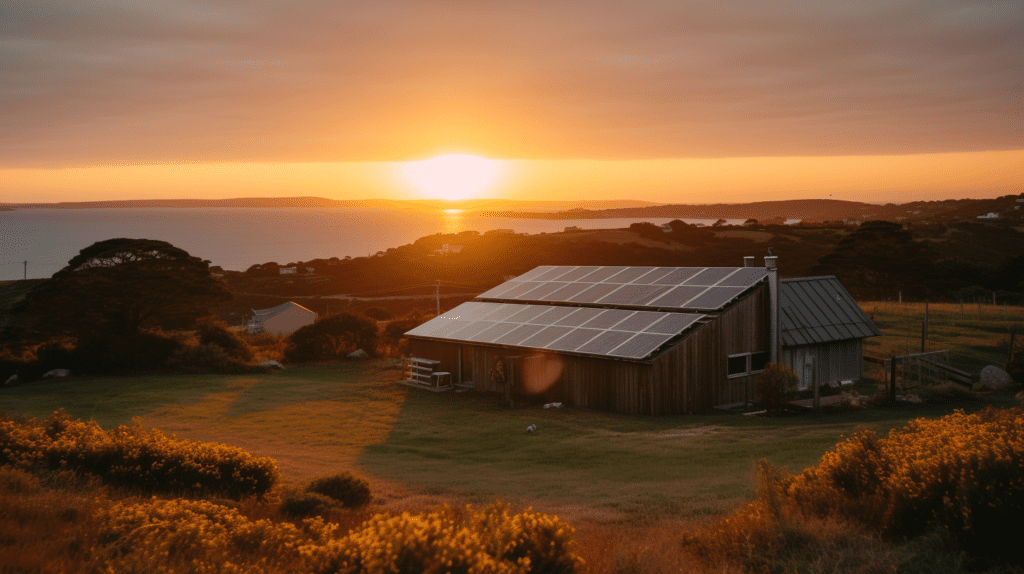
column 132, row 457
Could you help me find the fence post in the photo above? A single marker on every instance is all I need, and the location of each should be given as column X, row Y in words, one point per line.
column 892, row 379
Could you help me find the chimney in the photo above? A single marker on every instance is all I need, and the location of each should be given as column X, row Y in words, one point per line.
column 748, row 261
column 773, row 294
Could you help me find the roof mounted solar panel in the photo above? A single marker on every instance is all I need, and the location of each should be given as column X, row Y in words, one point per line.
column 640, row 346
column 605, row 342
column 653, row 276
column 710, row 276
column 677, row 297
column 744, row 277
column 496, row 292
column 521, row 288
column 567, row 291
column 574, row 339
column 640, row 320
column 552, row 315
column 601, row 273
column 524, row 316
column 504, row 312
column 634, row 295
column 540, row 291
column 628, row 274
column 578, row 273
column 470, row 311
column 517, row 335
column 490, row 334
column 595, row 293
column 674, row 323
column 714, row 298
column 608, row 319
column 529, row 275
column 471, row 330
column 545, row 337
column 678, row 276
column 579, row 317
column 552, row 274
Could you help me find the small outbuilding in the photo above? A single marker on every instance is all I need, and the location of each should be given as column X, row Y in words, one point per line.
column 280, row 320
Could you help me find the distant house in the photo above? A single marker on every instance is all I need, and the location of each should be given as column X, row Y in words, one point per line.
column 989, row 215
column 823, row 330
column 666, row 228
column 572, row 228
column 447, row 249
column 288, row 270
column 280, row 320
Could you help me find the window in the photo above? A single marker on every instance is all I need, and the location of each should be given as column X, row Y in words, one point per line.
column 747, row 363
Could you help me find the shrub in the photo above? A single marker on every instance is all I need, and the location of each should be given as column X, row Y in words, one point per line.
column 394, row 332
column 214, row 331
column 774, row 386
column 207, row 358
column 350, row 491
column 131, row 457
column 332, row 337
column 303, row 504
column 146, row 350
column 378, row 313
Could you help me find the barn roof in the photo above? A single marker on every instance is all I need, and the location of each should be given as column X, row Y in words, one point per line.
column 820, row 310
column 619, row 333
column 264, row 314
column 694, row 289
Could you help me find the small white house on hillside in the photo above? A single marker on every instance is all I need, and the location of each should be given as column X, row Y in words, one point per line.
column 280, row 320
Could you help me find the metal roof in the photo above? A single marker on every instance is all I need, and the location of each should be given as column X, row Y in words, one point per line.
column 820, row 310
column 264, row 314
column 704, row 289
column 618, row 333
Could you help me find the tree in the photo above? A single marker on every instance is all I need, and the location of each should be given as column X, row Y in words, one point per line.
column 332, row 338
column 120, row 287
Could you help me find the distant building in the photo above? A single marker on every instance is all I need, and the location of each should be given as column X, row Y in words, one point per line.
column 989, row 215
column 572, row 228
column 448, row 249
column 288, row 270
column 666, row 228
column 280, row 320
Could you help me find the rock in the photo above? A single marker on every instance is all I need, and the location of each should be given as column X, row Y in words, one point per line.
column 57, row 373
column 12, row 380
column 993, row 377
column 531, row 428
column 1020, row 397
column 271, row 365
column 358, row 354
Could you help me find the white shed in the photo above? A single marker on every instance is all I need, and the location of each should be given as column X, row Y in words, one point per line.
column 280, row 320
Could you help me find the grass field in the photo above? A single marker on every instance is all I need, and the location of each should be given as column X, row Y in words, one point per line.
column 419, row 448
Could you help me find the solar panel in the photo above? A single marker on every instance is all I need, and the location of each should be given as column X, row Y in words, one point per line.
column 653, row 276
column 529, row 275
column 714, row 298
column 540, row 291
column 634, row 295
column 640, row 346
column 581, row 316
column 710, row 276
column 520, row 289
column 639, row 321
column 490, row 334
column 605, row 342
column 497, row 291
column 552, row 315
column 552, row 274
column 677, row 276
column 594, row 293
column 677, row 297
column 516, row 336
column 470, row 311
column 526, row 314
column 601, row 273
column 566, row 292
column 465, row 333
column 448, row 327
column 504, row 312
column 628, row 274
column 607, row 319
column 674, row 323
column 572, row 340
column 578, row 273
column 744, row 277
column 546, row 337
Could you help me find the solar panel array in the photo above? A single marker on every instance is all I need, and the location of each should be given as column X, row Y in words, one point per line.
column 587, row 330
column 689, row 288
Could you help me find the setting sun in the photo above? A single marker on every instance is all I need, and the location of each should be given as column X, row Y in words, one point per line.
column 453, row 176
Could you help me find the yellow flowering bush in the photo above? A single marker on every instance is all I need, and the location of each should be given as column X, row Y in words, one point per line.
column 961, row 472
column 131, row 456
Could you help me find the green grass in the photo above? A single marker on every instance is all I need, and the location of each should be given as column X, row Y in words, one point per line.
column 467, row 447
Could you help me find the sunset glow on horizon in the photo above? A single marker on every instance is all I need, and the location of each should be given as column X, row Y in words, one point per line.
column 452, row 176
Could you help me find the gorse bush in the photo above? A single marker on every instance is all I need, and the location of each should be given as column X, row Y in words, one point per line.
column 332, row 337
column 350, row 491
column 132, row 457
column 207, row 358
column 214, row 331
column 775, row 384
column 303, row 504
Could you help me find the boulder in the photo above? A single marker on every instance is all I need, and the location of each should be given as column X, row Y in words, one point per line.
column 12, row 380
column 358, row 354
column 993, row 377
column 271, row 365
column 1020, row 398
column 57, row 373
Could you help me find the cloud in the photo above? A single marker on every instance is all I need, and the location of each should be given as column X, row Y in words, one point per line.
column 92, row 82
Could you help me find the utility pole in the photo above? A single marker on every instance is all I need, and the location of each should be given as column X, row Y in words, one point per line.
column 26, row 270
column 437, row 295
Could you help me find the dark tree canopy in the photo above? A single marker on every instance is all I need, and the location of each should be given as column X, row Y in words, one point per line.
column 118, row 287
column 332, row 337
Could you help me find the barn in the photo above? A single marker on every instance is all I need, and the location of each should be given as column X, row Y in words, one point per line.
column 823, row 331
column 281, row 320
column 640, row 340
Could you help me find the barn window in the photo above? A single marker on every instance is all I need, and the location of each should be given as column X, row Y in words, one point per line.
column 747, row 363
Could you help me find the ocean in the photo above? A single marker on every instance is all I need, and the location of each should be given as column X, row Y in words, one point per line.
column 236, row 238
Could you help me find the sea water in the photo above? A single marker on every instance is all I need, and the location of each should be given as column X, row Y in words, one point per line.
column 236, row 238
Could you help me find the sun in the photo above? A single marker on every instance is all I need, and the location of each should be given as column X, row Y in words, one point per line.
column 452, row 176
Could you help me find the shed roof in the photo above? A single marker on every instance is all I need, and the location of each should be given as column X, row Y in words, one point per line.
column 820, row 310
column 264, row 314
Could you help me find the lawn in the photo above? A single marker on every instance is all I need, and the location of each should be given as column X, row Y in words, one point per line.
column 417, row 446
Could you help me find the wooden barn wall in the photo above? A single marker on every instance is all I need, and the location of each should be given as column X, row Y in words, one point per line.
column 837, row 361
column 746, row 326
column 688, row 377
column 447, row 353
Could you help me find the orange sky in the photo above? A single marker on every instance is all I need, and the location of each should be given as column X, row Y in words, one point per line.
column 659, row 101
